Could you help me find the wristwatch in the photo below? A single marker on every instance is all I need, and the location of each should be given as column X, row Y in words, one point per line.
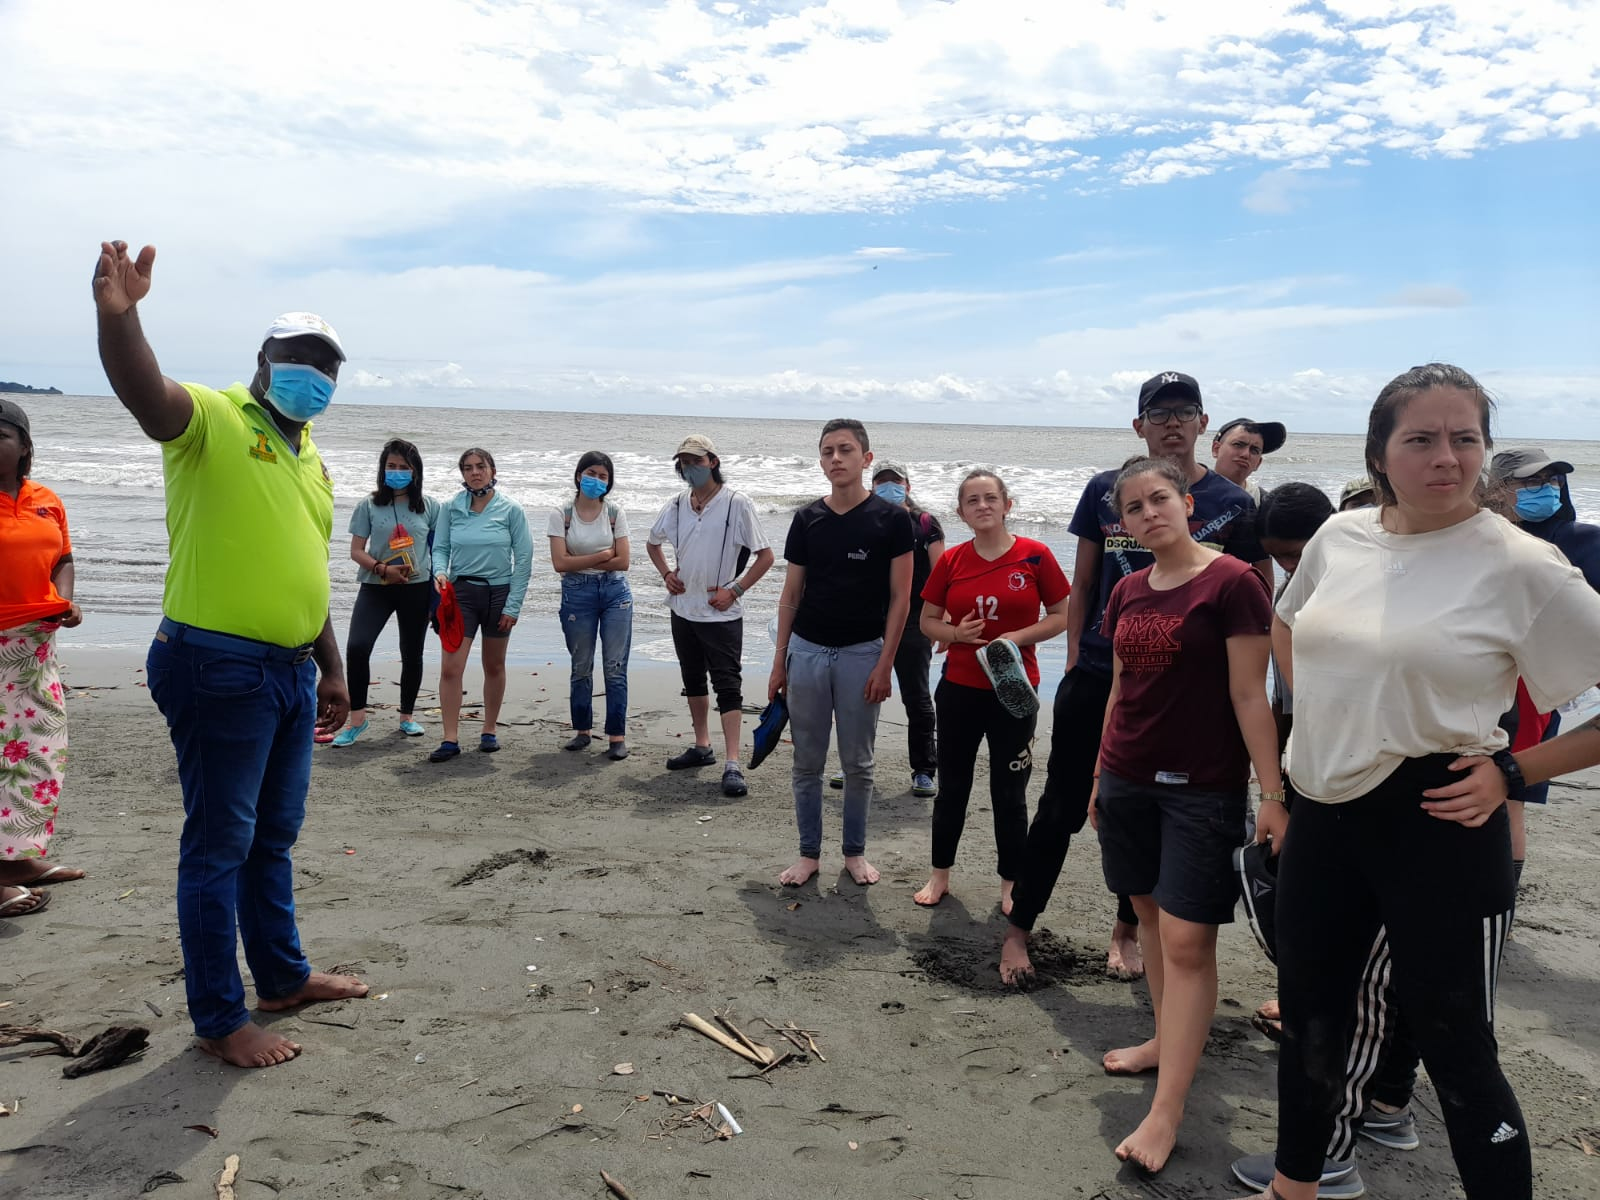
column 1515, row 784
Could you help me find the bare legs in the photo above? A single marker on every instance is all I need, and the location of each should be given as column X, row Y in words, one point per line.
column 1181, row 963
column 452, row 669
column 494, row 681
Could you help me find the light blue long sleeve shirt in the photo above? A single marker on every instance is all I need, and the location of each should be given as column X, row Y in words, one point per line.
column 494, row 544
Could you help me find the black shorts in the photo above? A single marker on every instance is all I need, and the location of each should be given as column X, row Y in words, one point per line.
column 481, row 605
column 1173, row 843
column 710, row 649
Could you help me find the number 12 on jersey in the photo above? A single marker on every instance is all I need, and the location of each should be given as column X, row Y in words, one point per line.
column 988, row 608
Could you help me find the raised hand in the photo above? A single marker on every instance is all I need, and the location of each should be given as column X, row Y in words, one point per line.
column 121, row 282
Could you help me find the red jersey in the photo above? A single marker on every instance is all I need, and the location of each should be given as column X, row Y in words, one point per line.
column 1008, row 593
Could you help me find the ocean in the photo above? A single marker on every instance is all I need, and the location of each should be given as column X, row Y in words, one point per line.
column 91, row 452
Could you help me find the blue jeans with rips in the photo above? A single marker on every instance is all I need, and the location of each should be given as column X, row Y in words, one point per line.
column 241, row 715
column 598, row 608
column 827, row 687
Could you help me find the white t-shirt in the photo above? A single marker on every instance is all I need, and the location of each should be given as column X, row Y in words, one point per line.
column 587, row 537
column 1411, row 644
column 707, row 545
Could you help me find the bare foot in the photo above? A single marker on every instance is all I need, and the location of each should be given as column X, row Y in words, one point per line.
column 1270, row 1011
column 250, row 1046
column 1125, row 960
column 935, row 890
column 861, row 870
column 317, row 986
column 803, row 869
column 1133, row 1060
column 1016, row 968
column 1150, row 1145
column 1007, row 886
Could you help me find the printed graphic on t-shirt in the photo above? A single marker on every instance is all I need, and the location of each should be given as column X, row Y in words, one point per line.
column 1148, row 641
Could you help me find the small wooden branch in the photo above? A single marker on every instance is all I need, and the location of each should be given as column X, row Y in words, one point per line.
column 230, row 1172
column 615, row 1187
column 702, row 1026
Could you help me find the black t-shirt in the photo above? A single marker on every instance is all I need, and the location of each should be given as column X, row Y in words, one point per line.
column 846, row 557
column 925, row 531
column 1224, row 519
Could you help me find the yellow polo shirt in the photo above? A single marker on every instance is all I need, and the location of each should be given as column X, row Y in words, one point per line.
column 248, row 521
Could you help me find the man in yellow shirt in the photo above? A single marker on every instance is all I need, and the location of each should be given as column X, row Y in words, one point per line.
column 249, row 515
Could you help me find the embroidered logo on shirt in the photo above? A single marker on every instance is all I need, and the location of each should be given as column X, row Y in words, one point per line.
column 43, row 512
column 1017, row 581
column 857, row 555
column 262, row 451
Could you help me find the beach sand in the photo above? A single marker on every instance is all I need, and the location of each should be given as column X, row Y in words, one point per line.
column 640, row 896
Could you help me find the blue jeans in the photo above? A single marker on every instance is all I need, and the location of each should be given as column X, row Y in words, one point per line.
column 827, row 686
column 598, row 607
column 241, row 715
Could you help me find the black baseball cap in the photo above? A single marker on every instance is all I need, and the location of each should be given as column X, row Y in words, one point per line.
column 11, row 413
column 1273, row 434
column 1172, row 384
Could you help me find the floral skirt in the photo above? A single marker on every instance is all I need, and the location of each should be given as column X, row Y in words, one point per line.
column 33, row 740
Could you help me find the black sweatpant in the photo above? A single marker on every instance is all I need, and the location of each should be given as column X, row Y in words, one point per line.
column 375, row 604
column 911, row 673
column 1377, row 891
column 968, row 717
column 1077, row 715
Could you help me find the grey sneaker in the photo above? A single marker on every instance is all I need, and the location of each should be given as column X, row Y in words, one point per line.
column 1002, row 663
column 1340, row 1180
column 733, row 783
column 1396, row 1130
column 922, row 785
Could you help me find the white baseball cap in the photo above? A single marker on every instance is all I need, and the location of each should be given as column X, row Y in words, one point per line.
column 304, row 324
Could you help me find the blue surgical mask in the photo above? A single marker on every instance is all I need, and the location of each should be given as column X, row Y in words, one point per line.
column 1538, row 503
column 697, row 477
column 592, row 487
column 398, row 480
column 894, row 493
column 297, row 390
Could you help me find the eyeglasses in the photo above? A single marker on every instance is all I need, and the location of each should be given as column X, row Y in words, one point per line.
column 1160, row 416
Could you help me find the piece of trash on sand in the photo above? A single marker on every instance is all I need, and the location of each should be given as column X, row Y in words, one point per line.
column 853, row 1145
column 615, row 1187
column 531, row 967
column 127, row 893
column 622, row 1069
column 7, row 1109
column 381, row 996
column 230, row 1172
column 419, row 1059
column 703, row 818
column 727, row 1117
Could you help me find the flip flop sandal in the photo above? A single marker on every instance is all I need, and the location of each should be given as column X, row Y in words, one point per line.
column 1271, row 1026
column 11, row 907
column 49, row 874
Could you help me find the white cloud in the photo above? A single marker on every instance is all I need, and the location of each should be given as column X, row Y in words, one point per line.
column 1432, row 295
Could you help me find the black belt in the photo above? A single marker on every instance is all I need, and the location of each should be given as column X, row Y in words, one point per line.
column 176, row 633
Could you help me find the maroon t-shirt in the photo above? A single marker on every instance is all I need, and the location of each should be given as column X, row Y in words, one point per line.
column 1173, row 720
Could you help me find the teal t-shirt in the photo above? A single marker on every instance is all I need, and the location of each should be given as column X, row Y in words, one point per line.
column 383, row 525
column 493, row 545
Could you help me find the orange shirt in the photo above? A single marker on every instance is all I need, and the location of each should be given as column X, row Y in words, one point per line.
column 33, row 540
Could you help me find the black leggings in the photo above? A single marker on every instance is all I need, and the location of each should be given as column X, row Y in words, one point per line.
column 911, row 673
column 968, row 716
column 375, row 603
column 1376, row 891
column 1077, row 716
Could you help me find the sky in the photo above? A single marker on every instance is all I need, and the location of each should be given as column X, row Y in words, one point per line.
column 1006, row 211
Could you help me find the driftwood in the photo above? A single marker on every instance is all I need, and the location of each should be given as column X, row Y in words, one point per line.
column 230, row 1172
column 615, row 1187
column 108, row 1048
column 701, row 1025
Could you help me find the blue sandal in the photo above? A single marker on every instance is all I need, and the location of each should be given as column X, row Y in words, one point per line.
column 445, row 752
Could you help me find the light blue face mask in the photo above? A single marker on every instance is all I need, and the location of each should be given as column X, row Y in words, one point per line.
column 297, row 390
column 398, row 480
column 1538, row 503
column 696, row 476
column 894, row 493
column 592, row 487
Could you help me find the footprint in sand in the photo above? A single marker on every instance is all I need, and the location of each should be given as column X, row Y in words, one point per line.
column 991, row 1062
column 306, row 1153
column 872, row 1154
column 401, row 1179
column 1052, row 1101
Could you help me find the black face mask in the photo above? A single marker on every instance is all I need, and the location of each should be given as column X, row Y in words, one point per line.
column 483, row 491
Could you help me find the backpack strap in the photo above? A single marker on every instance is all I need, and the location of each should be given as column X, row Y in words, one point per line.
column 926, row 521
column 566, row 519
column 611, row 514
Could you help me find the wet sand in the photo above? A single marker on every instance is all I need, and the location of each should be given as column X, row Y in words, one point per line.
column 640, row 896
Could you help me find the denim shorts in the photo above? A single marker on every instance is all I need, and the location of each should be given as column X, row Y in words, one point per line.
column 1173, row 843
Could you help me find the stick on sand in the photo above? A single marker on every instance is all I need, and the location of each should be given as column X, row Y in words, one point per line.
column 700, row 1025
